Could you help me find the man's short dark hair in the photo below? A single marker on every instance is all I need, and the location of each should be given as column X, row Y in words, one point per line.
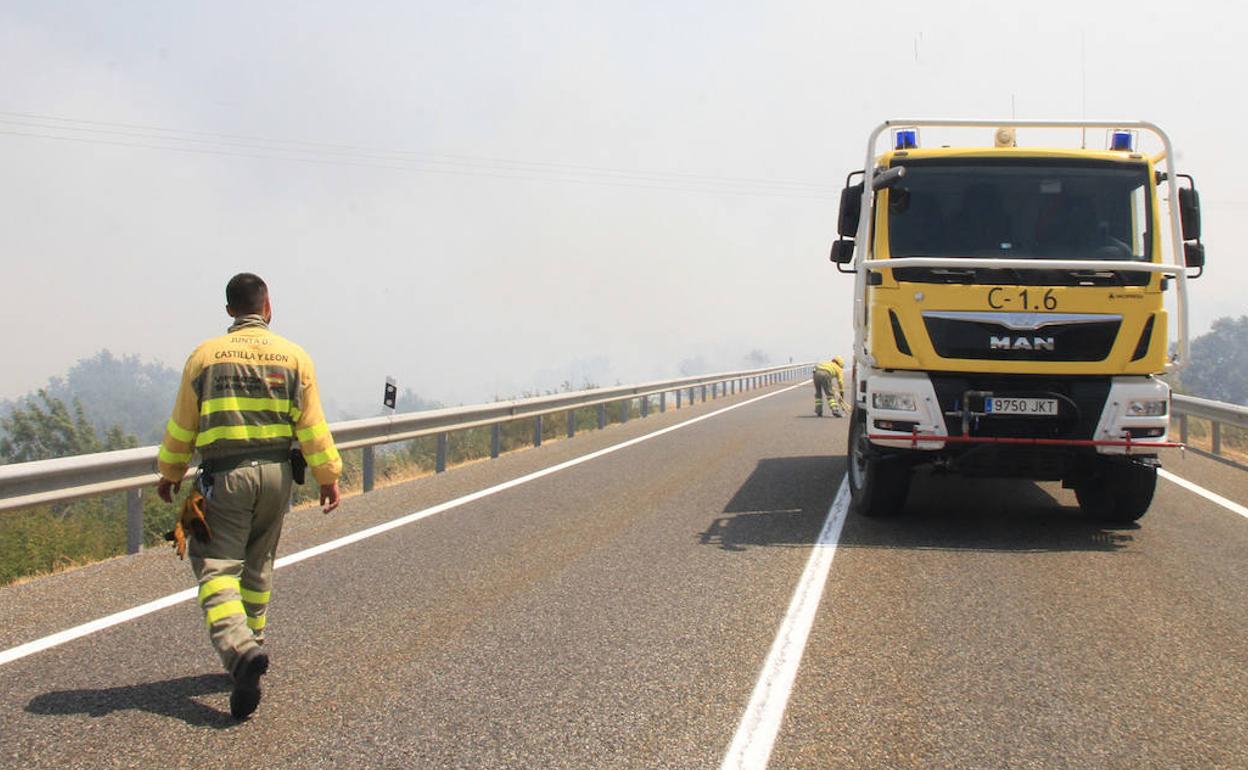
column 245, row 294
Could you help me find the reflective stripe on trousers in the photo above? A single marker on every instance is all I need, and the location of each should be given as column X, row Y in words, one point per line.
column 244, row 508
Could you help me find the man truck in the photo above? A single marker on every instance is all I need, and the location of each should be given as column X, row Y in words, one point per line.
column 1012, row 307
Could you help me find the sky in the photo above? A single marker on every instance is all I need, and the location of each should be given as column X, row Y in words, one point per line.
column 485, row 199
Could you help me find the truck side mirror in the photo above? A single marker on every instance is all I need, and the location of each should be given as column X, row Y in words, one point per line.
column 851, row 210
column 842, row 251
column 1193, row 256
column 1189, row 212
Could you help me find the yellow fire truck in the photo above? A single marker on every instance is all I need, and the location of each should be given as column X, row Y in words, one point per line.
column 1011, row 307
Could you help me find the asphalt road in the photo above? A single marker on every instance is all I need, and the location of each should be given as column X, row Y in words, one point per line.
column 618, row 612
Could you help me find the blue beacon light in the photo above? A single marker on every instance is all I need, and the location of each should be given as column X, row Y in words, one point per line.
column 906, row 139
column 1122, row 141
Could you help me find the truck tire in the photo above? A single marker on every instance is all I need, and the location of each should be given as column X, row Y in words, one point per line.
column 879, row 485
column 1120, row 493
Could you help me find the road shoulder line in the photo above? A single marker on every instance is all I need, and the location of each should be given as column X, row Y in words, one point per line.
column 1230, row 505
column 760, row 724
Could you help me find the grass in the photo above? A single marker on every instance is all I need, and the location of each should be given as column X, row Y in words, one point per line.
column 1200, row 437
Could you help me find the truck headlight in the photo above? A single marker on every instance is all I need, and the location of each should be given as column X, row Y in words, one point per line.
column 1149, row 408
column 897, row 402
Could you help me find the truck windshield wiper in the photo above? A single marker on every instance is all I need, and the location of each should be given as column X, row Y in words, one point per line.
column 953, row 274
column 1014, row 274
column 1096, row 276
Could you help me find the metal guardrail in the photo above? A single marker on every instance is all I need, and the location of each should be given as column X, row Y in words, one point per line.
column 1218, row 413
column 129, row 470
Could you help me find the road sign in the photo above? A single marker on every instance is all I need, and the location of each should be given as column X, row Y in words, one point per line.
column 392, row 393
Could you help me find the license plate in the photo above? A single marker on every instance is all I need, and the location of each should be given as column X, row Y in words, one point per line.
column 1040, row 407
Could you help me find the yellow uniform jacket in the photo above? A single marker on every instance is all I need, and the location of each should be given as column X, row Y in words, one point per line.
column 246, row 391
column 832, row 368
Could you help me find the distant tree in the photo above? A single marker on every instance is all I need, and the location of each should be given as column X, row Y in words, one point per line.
column 121, row 391
column 410, row 401
column 35, row 431
column 694, row 365
column 756, row 359
column 1218, row 368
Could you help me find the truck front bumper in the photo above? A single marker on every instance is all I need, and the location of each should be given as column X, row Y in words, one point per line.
column 1114, row 416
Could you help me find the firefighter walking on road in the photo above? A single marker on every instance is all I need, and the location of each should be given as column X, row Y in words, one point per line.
column 829, row 380
column 244, row 398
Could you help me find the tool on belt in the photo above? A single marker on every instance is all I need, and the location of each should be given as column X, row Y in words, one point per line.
column 190, row 518
column 298, row 466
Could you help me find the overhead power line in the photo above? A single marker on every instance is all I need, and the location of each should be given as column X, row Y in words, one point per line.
column 323, row 153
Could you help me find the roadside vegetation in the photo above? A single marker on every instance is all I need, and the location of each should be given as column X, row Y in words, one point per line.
column 50, row 538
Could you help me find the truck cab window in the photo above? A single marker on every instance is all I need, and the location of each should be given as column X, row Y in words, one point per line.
column 1021, row 209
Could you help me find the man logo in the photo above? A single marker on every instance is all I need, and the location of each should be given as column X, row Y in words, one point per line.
column 1021, row 343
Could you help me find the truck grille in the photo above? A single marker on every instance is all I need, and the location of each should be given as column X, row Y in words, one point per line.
column 1022, row 336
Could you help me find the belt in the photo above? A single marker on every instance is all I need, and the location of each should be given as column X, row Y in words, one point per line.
column 230, row 462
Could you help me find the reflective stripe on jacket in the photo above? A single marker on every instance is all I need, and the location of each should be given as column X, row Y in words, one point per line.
column 831, row 368
column 248, row 390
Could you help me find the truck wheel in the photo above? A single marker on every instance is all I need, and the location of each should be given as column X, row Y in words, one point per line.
column 1120, row 493
column 879, row 485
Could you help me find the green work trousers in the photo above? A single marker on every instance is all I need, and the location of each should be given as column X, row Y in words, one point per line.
column 244, row 509
column 826, row 387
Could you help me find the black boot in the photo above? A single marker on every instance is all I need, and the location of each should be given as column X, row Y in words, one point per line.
column 247, row 672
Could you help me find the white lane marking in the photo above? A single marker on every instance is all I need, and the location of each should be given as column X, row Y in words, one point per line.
column 1230, row 505
column 756, row 735
column 47, row 642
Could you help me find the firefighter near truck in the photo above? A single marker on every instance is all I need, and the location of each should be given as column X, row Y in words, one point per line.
column 1013, row 306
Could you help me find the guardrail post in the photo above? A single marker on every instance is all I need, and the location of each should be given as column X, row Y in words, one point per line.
column 692, row 400
column 663, row 401
column 134, row 520
column 626, row 409
column 440, row 460
column 645, row 406
column 571, row 423
column 368, row 468
column 1215, row 434
column 602, row 416
column 496, row 440
column 679, row 393
column 537, row 431
column 1183, row 429
column 704, row 394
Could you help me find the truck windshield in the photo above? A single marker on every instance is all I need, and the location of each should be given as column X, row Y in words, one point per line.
column 1021, row 209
